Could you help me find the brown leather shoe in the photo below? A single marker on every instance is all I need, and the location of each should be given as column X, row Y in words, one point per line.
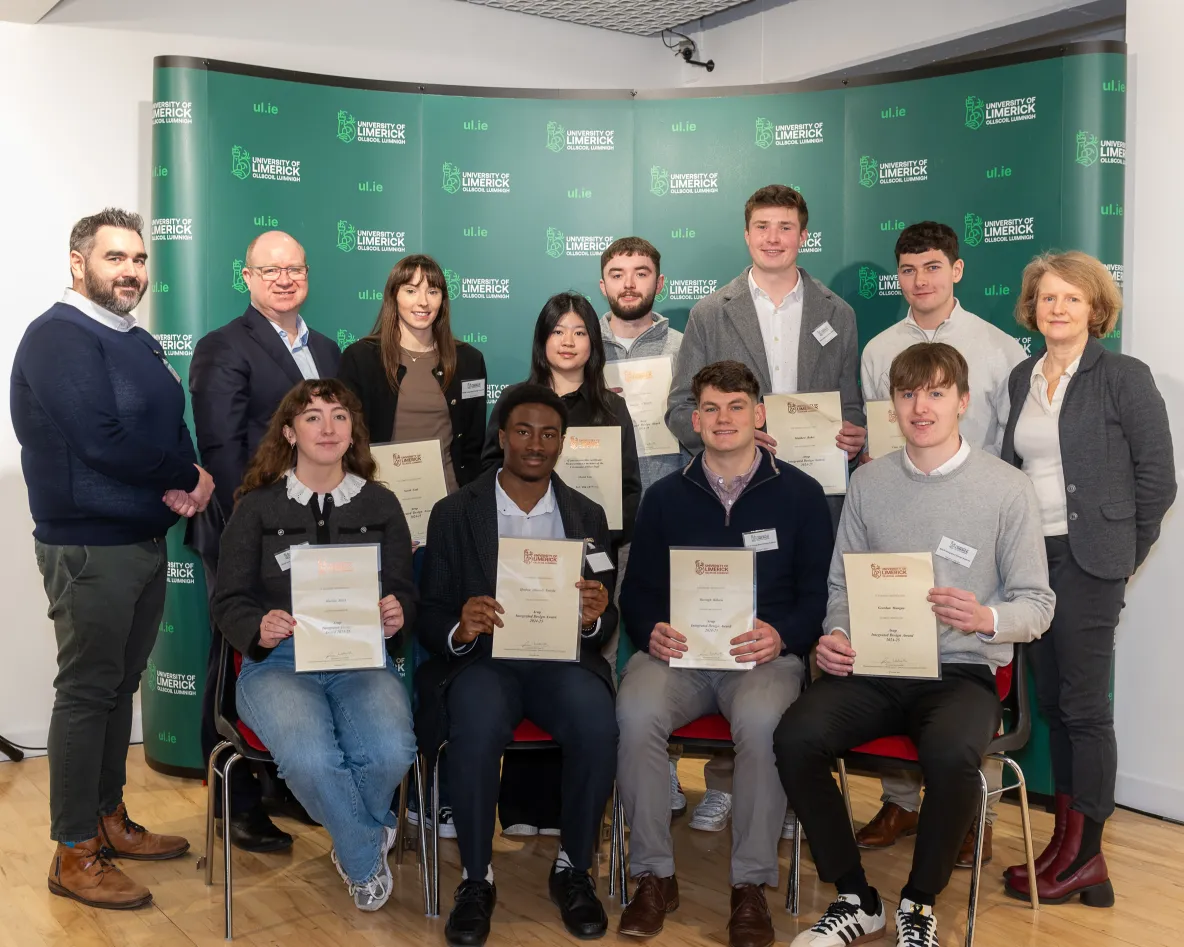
column 890, row 823
column 966, row 854
column 123, row 838
column 750, row 924
column 84, row 874
column 646, row 911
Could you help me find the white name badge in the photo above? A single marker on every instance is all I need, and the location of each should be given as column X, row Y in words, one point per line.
column 472, row 389
column 956, row 552
column 824, row 333
column 761, row 540
column 599, row 561
column 284, row 559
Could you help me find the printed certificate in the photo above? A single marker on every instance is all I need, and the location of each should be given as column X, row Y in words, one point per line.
column 536, row 585
column 893, row 628
column 414, row 472
column 645, row 386
column 883, row 432
column 805, row 426
column 335, row 593
column 591, row 465
column 712, row 601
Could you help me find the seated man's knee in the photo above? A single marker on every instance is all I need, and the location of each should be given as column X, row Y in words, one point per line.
column 642, row 717
column 951, row 759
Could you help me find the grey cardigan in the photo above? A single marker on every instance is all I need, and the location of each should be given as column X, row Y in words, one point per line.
column 1116, row 452
column 724, row 326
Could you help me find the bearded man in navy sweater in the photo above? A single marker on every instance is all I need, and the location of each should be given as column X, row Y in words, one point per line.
column 109, row 465
column 733, row 494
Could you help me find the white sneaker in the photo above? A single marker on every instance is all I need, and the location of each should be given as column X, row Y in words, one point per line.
column 678, row 802
column 843, row 923
column 520, row 828
column 787, row 826
column 447, row 829
column 915, row 925
column 554, row 833
column 713, row 811
column 372, row 894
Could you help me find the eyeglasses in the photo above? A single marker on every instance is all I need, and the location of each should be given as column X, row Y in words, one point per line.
column 272, row 273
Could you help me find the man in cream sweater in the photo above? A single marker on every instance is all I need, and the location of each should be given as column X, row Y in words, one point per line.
column 928, row 267
column 982, row 524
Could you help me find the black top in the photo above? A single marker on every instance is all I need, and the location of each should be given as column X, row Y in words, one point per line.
column 362, row 370
column 1116, row 454
column 266, row 522
column 238, row 377
column 581, row 412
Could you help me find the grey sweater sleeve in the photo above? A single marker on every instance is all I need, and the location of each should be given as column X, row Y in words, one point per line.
column 1026, row 609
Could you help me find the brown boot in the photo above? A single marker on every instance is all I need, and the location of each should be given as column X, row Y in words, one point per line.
column 966, row 855
column 123, row 838
column 750, row 924
column 890, row 823
column 646, row 912
column 84, row 874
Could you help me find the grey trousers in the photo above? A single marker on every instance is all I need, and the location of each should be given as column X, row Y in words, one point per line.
column 654, row 699
column 903, row 787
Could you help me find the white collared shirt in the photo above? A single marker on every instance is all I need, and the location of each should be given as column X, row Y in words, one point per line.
column 299, row 349
column 781, row 328
column 350, row 486
column 1038, row 442
column 90, row 308
column 948, row 467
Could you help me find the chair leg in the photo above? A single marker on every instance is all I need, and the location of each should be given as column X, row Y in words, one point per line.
column 227, row 848
column 436, row 836
column 211, row 798
column 846, row 792
column 623, row 858
column 793, row 886
column 1029, row 850
column 417, row 769
column 400, row 819
column 976, row 868
column 612, row 846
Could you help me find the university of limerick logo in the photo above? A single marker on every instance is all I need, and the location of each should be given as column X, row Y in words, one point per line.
column 868, row 282
column 240, row 162
column 345, row 339
column 237, row 281
column 556, row 137
column 662, row 296
column 452, row 278
column 150, row 675
column 347, row 236
column 976, row 112
column 347, row 126
column 451, row 182
column 1087, row 149
column 556, row 243
column 869, row 171
column 764, row 133
column 972, row 233
column 659, row 180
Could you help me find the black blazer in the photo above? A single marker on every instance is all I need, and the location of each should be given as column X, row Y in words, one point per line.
column 1116, row 452
column 581, row 413
column 238, row 377
column 460, row 563
column 362, row 370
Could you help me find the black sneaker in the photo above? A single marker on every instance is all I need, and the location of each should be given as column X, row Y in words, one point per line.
column 468, row 924
column 575, row 894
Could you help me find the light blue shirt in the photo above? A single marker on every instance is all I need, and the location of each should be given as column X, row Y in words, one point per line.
column 299, row 349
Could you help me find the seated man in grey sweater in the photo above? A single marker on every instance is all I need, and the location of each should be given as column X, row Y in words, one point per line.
column 982, row 524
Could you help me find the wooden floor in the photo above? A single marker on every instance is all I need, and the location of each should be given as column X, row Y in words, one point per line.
column 296, row 898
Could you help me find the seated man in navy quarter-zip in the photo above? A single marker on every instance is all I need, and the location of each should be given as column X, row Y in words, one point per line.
column 733, row 494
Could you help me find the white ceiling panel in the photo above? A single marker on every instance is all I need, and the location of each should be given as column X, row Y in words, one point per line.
column 644, row 17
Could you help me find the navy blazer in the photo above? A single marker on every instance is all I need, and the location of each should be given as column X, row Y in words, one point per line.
column 238, row 377
column 1116, row 453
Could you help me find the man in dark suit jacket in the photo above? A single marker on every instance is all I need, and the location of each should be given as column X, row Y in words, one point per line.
column 474, row 701
column 238, row 376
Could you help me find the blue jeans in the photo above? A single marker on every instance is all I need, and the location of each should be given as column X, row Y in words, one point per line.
column 341, row 739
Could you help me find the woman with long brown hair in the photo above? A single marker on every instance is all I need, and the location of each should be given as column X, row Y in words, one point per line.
column 416, row 381
column 341, row 739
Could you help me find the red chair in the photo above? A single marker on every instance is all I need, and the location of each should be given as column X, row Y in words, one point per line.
column 899, row 752
column 705, row 735
column 244, row 744
column 527, row 736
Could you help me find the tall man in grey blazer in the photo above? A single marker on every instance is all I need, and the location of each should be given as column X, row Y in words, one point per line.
column 792, row 331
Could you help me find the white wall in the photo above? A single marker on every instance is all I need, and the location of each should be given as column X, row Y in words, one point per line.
column 1149, row 698
column 74, row 137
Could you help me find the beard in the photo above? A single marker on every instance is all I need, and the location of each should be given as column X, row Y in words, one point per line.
column 642, row 308
column 104, row 293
